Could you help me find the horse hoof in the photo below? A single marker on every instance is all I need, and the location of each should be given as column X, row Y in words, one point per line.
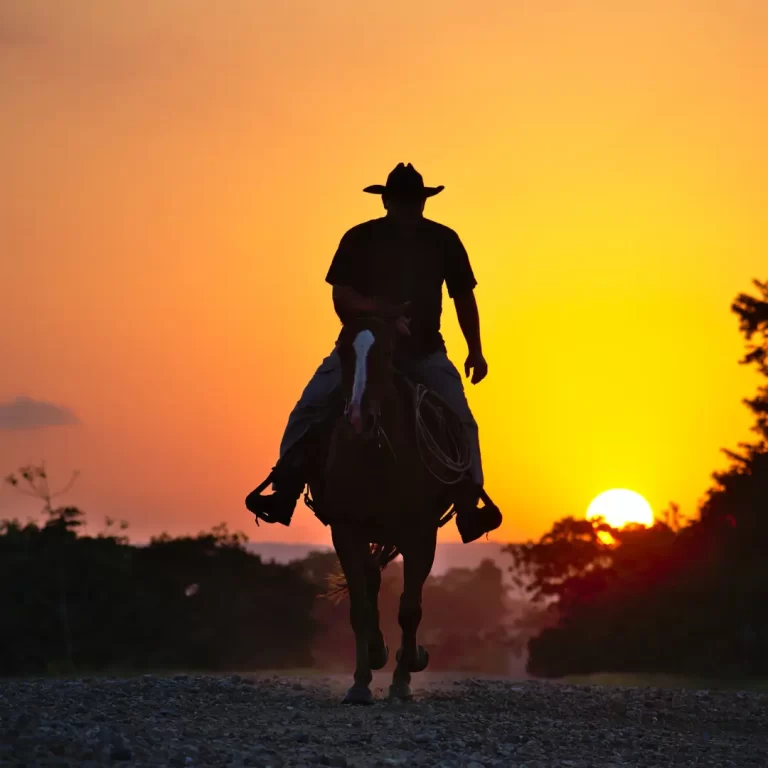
column 401, row 691
column 378, row 657
column 358, row 695
column 420, row 662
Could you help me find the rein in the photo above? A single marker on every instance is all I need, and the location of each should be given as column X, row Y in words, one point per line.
column 456, row 460
column 443, row 447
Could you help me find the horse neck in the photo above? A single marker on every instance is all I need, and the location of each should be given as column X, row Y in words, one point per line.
column 394, row 416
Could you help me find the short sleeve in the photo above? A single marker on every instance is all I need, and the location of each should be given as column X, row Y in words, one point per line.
column 459, row 277
column 347, row 267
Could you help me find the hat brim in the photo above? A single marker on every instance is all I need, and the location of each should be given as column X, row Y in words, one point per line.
column 380, row 189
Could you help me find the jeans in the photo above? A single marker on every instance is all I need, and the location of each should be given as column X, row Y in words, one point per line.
column 436, row 372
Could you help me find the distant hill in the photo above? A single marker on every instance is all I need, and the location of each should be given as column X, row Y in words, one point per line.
column 449, row 554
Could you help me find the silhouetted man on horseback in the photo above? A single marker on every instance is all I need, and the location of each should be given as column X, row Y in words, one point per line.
column 395, row 267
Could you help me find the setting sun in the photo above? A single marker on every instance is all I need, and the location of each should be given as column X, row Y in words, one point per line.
column 619, row 507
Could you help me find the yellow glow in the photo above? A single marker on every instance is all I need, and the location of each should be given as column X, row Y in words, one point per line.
column 176, row 181
column 620, row 507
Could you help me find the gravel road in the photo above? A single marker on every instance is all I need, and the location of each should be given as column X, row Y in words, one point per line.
column 273, row 721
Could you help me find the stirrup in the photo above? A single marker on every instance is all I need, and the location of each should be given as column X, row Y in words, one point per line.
column 263, row 506
column 472, row 524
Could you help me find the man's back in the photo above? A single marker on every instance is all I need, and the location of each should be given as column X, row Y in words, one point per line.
column 401, row 262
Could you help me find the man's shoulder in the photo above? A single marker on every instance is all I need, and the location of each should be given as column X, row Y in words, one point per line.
column 363, row 229
column 438, row 230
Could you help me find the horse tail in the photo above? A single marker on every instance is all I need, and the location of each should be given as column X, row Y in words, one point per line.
column 384, row 554
column 338, row 589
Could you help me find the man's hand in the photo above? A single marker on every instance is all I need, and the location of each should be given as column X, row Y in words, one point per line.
column 402, row 324
column 400, row 313
column 476, row 363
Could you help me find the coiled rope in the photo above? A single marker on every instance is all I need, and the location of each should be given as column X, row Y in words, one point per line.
column 457, row 459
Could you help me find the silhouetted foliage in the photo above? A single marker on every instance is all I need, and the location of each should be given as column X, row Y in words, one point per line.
column 678, row 597
column 32, row 480
column 71, row 602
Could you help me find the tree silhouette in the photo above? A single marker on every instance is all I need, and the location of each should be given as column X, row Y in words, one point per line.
column 32, row 480
column 74, row 602
column 686, row 596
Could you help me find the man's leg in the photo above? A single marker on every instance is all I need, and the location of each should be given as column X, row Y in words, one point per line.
column 313, row 407
column 439, row 374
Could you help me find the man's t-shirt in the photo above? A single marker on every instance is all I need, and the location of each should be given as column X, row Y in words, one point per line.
column 378, row 259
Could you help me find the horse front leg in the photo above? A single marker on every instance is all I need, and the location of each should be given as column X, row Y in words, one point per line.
column 378, row 652
column 353, row 553
column 418, row 558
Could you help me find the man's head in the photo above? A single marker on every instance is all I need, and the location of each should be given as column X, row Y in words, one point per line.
column 404, row 194
column 403, row 208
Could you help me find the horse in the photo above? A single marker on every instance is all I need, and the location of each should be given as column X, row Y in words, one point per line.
column 382, row 496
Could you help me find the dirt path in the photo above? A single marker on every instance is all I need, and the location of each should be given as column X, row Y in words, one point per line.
column 275, row 722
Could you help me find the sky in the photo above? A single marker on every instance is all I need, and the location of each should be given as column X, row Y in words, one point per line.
column 178, row 174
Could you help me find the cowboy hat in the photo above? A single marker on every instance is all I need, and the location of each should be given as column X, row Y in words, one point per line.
column 404, row 182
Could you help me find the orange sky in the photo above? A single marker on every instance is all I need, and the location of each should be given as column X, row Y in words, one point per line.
column 177, row 175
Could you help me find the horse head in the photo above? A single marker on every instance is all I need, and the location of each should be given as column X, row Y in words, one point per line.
column 366, row 348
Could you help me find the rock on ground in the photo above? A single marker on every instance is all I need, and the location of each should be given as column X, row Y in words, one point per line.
column 286, row 722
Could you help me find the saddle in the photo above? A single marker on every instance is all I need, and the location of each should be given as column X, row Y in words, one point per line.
column 442, row 445
column 440, row 439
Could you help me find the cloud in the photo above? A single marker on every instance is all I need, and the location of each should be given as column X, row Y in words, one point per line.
column 26, row 413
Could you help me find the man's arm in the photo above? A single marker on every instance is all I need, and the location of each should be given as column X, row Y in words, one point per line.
column 461, row 288
column 349, row 303
column 469, row 321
